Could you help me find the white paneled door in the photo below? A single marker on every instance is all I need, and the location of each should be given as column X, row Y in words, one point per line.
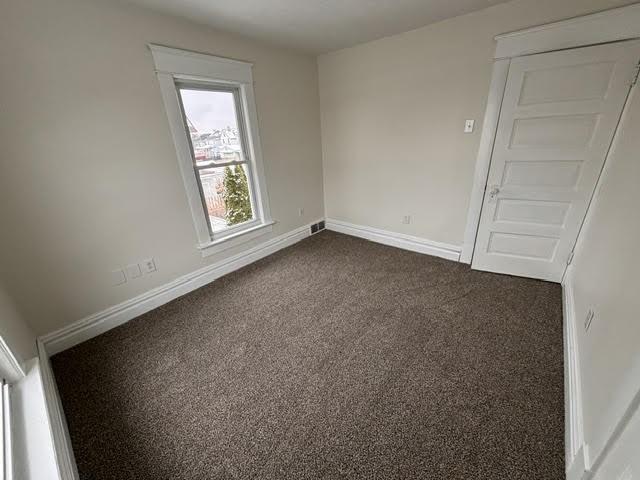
column 558, row 117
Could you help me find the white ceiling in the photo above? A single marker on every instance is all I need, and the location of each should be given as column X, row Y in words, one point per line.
column 316, row 26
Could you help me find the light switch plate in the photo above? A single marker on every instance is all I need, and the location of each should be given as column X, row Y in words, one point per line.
column 468, row 126
column 133, row 271
column 118, row 277
column 148, row 265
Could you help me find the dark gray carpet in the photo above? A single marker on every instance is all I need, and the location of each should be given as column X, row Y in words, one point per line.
column 334, row 358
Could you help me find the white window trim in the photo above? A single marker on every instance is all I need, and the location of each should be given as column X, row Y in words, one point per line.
column 172, row 64
column 10, row 372
column 6, row 441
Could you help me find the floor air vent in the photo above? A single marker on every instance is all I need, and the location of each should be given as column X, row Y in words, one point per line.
column 317, row 227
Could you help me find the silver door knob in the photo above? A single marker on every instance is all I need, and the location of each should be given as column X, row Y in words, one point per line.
column 495, row 190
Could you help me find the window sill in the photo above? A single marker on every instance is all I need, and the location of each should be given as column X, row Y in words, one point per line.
column 230, row 241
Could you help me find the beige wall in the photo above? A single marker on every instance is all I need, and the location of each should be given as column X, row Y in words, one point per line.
column 393, row 111
column 90, row 179
column 14, row 329
column 604, row 278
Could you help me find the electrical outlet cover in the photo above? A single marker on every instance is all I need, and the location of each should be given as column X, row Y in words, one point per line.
column 133, row 271
column 148, row 265
column 118, row 277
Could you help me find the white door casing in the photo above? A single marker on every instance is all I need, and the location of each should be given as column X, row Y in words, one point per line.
column 558, row 117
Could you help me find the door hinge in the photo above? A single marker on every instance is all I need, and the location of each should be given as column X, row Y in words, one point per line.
column 636, row 72
column 570, row 259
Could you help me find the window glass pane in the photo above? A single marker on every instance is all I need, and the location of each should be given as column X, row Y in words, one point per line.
column 227, row 196
column 213, row 125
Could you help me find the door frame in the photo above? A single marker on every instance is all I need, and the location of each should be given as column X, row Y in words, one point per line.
column 604, row 27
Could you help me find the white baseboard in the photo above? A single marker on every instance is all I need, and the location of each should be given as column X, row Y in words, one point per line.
column 576, row 470
column 65, row 460
column 576, row 451
column 400, row 240
column 100, row 322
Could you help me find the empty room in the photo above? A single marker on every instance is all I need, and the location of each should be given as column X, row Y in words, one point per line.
column 283, row 239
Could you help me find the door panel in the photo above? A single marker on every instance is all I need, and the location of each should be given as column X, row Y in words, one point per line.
column 558, row 117
column 531, row 211
column 563, row 84
column 553, row 173
column 522, row 246
column 551, row 131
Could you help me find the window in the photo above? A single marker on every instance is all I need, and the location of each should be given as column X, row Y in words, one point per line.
column 5, row 436
column 213, row 120
column 10, row 373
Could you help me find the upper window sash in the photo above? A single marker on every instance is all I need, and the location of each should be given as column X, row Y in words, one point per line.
column 240, row 120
